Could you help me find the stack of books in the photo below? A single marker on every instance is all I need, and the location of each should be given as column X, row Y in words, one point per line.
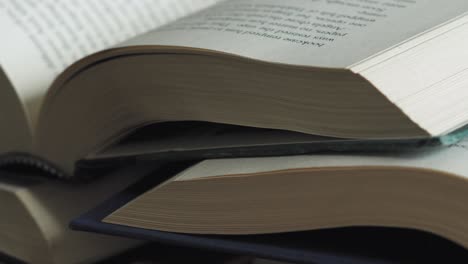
column 224, row 124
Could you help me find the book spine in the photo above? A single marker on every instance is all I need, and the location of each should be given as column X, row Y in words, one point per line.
column 28, row 161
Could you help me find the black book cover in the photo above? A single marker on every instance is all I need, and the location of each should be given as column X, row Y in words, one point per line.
column 180, row 141
column 331, row 246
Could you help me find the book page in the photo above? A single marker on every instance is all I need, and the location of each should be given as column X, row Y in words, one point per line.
column 451, row 159
column 41, row 38
column 321, row 33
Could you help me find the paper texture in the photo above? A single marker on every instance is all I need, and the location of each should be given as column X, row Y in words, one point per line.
column 318, row 33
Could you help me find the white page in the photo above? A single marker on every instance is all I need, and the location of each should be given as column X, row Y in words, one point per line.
column 41, row 38
column 451, row 159
column 321, row 33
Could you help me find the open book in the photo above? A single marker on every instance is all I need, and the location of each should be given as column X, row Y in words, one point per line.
column 379, row 69
column 36, row 212
column 426, row 191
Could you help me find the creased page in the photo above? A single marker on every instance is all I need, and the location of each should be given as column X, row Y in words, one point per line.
column 321, row 33
column 41, row 38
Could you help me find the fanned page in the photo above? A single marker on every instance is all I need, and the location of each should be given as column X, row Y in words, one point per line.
column 42, row 38
column 319, row 33
column 424, row 191
column 412, row 51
